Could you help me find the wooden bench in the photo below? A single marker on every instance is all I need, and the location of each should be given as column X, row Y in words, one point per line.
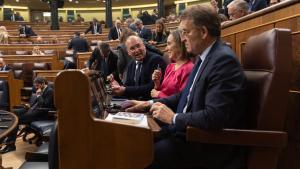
column 52, row 59
column 50, row 75
column 82, row 59
column 14, row 86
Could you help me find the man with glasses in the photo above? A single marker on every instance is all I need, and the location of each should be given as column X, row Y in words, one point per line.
column 139, row 84
column 212, row 99
column 238, row 9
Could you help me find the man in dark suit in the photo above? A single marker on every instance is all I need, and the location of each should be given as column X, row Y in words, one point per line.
column 104, row 60
column 94, row 28
column 256, row 5
column 26, row 31
column 42, row 98
column 212, row 99
column 77, row 44
column 3, row 66
column 138, row 82
column 238, row 9
column 142, row 31
column 115, row 31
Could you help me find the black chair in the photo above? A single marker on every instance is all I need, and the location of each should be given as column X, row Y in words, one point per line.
column 46, row 156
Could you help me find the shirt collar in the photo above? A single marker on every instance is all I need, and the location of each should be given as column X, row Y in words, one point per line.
column 206, row 51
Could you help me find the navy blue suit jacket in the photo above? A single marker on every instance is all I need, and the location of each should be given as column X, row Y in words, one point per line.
column 145, row 33
column 91, row 28
column 142, row 91
column 216, row 102
column 113, row 33
column 257, row 5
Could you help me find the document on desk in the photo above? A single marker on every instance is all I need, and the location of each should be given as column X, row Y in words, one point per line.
column 135, row 119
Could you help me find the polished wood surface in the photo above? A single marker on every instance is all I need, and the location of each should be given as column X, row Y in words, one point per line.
column 87, row 142
column 15, row 86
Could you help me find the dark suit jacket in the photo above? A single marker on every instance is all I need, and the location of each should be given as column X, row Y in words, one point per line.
column 28, row 31
column 79, row 45
column 145, row 33
column 257, row 5
column 112, row 61
column 150, row 63
column 46, row 99
column 113, row 33
column 216, row 102
column 5, row 68
column 91, row 28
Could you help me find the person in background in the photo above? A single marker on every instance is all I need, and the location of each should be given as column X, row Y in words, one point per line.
column 61, row 19
column 138, row 82
column 177, row 73
column 79, row 19
column 236, row 10
column 3, row 35
column 37, row 51
column 154, row 15
column 42, row 98
column 256, row 5
column 26, row 31
column 3, row 66
column 160, row 34
column 105, row 60
column 123, row 58
column 16, row 16
column 142, row 31
column 94, row 28
column 129, row 22
column 115, row 31
column 77, row 44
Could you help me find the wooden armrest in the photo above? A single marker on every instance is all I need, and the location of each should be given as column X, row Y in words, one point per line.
column 241, row 137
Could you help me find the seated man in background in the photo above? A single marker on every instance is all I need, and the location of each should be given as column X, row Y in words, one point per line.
column 142, row 31
column 138, row 82
column 115, row 31
column 94, row 28
column 26, row 31
column 42, row 98
column 79, row 19
column 237, row 9
column 104, row 60
column 3, row 66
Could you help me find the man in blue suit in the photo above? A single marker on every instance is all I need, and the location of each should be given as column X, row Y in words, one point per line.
column 142, row 31
column 256, row 5
column 212, row 99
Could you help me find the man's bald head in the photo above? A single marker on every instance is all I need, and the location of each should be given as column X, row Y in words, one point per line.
column 136, row 48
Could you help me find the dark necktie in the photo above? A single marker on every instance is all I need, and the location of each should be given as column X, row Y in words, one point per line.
column 186, row 90
column 138, row 73
column 104, row 66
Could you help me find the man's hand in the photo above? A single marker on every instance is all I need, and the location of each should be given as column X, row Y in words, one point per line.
column 38, row 92
column 154, row 93
column 162, row 112
column 117, row 89
column 137, row 106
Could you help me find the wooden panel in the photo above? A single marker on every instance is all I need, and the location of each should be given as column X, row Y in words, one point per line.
column 50, row 75
column 82, row 59
column 295, row 82
column 242, row 37
column 292, row 23
column 87, row 142
column 230, row 39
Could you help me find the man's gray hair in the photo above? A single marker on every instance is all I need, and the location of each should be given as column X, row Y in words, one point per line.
column 240, row 5
column 138, row 21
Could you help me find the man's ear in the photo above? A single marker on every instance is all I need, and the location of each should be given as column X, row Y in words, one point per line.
column 204, row 31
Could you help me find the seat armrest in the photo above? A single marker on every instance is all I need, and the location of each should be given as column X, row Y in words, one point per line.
column 241, row 137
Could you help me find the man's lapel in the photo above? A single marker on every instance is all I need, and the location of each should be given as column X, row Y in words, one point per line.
column 203, row 66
